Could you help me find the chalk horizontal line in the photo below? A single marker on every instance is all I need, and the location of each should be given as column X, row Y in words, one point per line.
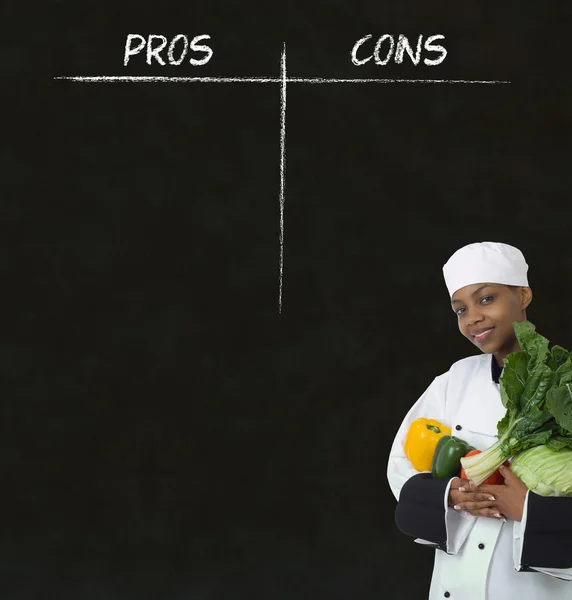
column 176, row 79
column 402, row 80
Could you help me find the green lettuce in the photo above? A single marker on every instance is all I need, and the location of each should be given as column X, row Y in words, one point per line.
column 536, row 390
column 545, row 471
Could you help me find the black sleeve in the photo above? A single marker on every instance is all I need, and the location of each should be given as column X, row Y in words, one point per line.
column 548, row 533
column 420, row 512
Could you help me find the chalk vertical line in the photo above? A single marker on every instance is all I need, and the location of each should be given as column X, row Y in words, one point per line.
column 282, row 166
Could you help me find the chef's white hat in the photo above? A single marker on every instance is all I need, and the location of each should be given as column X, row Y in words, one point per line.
column 485, row 262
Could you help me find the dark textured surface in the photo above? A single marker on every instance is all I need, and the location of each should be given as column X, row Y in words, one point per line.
column 167, row 434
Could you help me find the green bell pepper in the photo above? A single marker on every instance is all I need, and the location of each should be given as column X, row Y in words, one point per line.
column 447, row 457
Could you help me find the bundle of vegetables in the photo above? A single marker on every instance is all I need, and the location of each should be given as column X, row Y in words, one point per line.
column 536, row 390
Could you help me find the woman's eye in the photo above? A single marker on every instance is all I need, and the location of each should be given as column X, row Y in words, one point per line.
column 486, row 299
column 459, row 311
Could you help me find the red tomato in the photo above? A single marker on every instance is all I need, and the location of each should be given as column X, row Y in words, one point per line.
column 495, row 479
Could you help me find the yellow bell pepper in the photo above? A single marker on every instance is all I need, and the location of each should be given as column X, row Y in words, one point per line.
column 421, row 440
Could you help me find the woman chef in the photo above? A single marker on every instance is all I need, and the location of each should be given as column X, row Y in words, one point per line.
column 515, row 544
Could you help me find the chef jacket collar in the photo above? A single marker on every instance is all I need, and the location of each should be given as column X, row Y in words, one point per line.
column 496, row 370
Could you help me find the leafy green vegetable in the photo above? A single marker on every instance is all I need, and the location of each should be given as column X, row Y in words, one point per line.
column 545, row 471
column 536, row 390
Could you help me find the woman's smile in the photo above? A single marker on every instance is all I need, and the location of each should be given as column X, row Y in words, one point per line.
column 482, row 334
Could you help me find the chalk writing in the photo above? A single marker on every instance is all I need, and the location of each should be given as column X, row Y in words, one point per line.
column 176, row 52
column 386, row 48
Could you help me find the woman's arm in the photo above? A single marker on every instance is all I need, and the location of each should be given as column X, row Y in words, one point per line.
column 422, row 510
column 546, row 535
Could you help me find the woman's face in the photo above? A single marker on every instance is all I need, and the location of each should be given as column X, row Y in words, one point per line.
column 486, row 313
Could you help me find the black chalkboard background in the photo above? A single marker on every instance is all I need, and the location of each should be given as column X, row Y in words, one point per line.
column 167, row 433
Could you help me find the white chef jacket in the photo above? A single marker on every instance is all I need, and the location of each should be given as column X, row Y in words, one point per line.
column 483, row 554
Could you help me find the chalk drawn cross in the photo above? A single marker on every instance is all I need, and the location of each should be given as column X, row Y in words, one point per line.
column 283, row 80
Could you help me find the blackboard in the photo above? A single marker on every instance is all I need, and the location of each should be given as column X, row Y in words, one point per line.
column 200, row 397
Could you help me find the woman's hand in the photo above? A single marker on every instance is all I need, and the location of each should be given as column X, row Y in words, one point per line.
column 464, row 497
column 498, row 501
